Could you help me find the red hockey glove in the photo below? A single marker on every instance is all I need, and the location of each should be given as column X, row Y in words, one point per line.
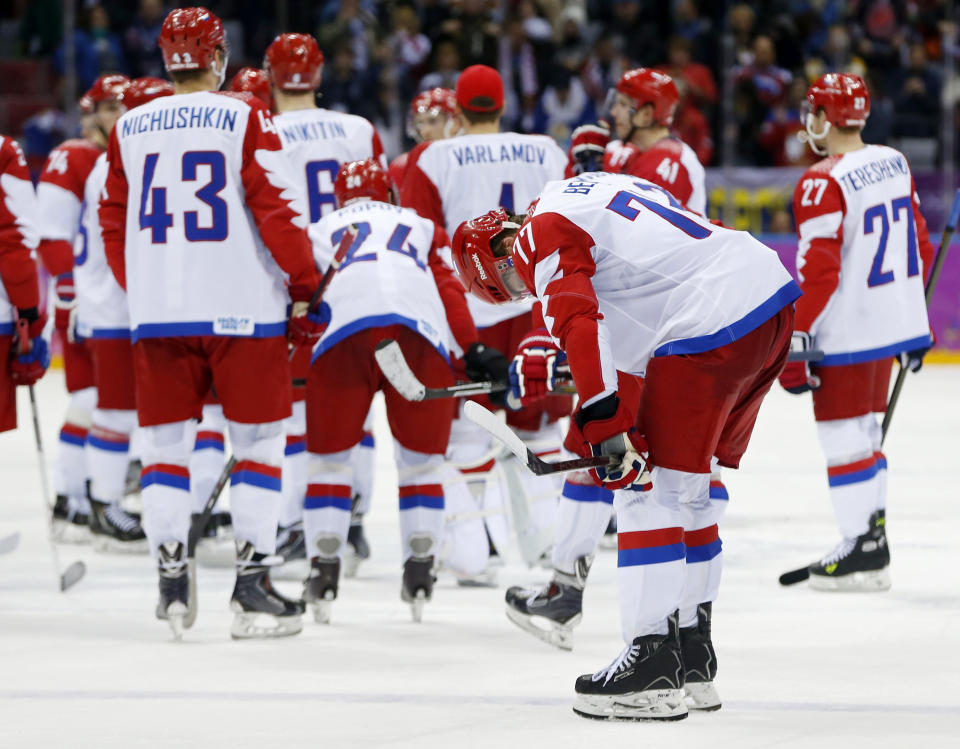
column 587, row 146
column 535, row 368
column 31, row 353
column 65, row 307
column 796, row 377
column 608, row 429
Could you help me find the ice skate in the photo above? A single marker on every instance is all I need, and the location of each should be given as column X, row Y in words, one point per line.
column 700, row 662
column 114, row 529
column 260, row 611
column 358, row 550
column 857, row 564
column 132, row 481
column 178, row 589
column 645, row 682
column 417, row 586
column 320, row 587
column 290, row 544
column 550, row 613
column 71, row 524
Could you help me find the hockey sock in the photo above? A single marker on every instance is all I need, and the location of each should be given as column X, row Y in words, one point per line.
column 294, row 466
column 852, row 471
column 582, row 516
column 364, row 467
column 108, row 453
column 329, row 499
column 71, row 471
column 165, row 482
column 206, row 462
column 421, row 499
column 255, row 483
column 704, row 549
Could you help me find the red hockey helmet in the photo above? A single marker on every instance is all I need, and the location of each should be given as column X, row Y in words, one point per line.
column 105, row 88
column 843, row 96
column 488, row 277
column 435, row 101
column 647, row 86
column 142, row 90
column 254, row 81
column 362, row 179
column 294, row 62
column 189, row 38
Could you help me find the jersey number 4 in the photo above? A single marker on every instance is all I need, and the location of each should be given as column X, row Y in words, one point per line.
column 396, row 243
column 878, row 213
column 154, row 199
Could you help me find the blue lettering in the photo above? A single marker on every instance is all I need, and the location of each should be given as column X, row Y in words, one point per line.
column 504, row 153
column 207, row 117
column 518, row 151
column 229, row 120
column 127, row 128
column 458, row 155
column 195, row 117
column 156, row 121
column 168, row 115
column 182, row 117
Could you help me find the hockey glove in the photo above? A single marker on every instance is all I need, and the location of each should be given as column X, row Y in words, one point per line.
column 306, row 327
column 65, row 307
column 32, row 355
column 587, row 146
column 796, row 377
column 608, row 429
column 913, row 360
column 482, row 362
column 535, row 367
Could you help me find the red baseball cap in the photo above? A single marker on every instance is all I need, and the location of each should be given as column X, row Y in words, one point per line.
column 480, row 89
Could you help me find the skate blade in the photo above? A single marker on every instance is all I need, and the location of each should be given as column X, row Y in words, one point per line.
column 558, row 635
column 873, row 581
column 416, row 605
column 486, row 579
column 654, row 704
column 63, row 532
column 323, row 608
column 175, row 615
column 702, row 695
column 256, row 625
column 109, row 545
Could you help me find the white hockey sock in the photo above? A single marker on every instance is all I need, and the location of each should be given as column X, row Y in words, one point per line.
column 165, row 482
column 206, row 462
column 421, row 498
column 852, row 471
column 108, row 452
column 583, row 514
column 71, row 471
column 364, row 466
column 255, row 483
column 704, row 549
column 294, row 466
column 329, row 499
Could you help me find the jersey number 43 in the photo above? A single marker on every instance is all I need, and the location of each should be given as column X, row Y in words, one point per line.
column 154, row 199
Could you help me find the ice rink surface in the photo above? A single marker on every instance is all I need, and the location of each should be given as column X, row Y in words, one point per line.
column 93, row 668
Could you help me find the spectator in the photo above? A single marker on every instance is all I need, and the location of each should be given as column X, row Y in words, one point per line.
column 409, row 49
column 690, row 24
column 140, row 40
column 917, row 97
column 759, row 86
column 691, row 78
column 778, row 134
column 563, row 107
column 41, row 28
column 343, row 88
column 355, row 25
column 603, row 68
column 741, row 21
column 471, row 24
column 642, row 27
column 692, row 127
column 106, row 44
column 518, row 68
column 446, row 66
column 95, row 50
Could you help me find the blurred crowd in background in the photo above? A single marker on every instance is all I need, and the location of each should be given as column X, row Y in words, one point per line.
column 742, row 68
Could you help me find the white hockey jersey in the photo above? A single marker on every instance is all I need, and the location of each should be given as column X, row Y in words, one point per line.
column 320, row 141
column 387, row 276
column 101, row 301
column 454, row 180
column 863, row 254
column 18, row 235
column 625, row 273
column 202, row 219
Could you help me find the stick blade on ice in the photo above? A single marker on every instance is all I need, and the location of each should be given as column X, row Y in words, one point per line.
column 72, row 575
column 9, row 543
column 394, row 366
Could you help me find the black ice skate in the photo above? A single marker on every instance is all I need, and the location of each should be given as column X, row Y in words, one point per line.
column 320, row 587
column 417, row 586
column 700, row 662
column 550, row 613
column 358, row 550
column 70, row 524
column 290, row 544
column 857, row 564
column 260, row 611
column 115, row 529
column 645, row 682
column 178, row 590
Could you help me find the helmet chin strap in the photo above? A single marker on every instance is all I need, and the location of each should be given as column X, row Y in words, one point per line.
column 808, row 136
column 220, row 72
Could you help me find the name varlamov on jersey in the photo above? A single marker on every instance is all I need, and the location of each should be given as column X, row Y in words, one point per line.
column 490, row 154
column 180, row 118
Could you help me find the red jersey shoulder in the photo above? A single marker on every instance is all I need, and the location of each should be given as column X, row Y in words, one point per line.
column 245, row 96
column 12, row 160
column 69, row 164
column 823, row 167
column 817, row 192
column 397, row 169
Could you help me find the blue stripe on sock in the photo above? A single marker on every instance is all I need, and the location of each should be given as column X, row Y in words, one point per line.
column 652, row 555
column 319, row 503
column 253, row 478
column 704, row 553
column 587, row 493
column 421, row 500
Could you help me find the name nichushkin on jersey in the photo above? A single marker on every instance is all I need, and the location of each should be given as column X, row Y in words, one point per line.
column 486, row 154
column 180, row 118
column 875, row 171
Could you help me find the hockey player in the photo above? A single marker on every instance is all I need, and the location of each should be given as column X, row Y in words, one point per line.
column 60, row 195
column 317, row 141
column 432, row 116
column 24, row 354
column 254, row 81
column 104, row 323
column 200, row 228
column 862, row 258
column 392, row 284
column 632, row 282
column 450, row 181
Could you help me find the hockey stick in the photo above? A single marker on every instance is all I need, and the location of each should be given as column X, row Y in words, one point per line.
column 76, row 570
column 799, row 575
column 498, row 428
column 928, row 295
column 395, row 368
column 9, row 543
column 804, row 356
column 198, row 521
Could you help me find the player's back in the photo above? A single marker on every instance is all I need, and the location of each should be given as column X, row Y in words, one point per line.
column 670, row 163
column 318, row 142
column 60, row 187
column 195, row 262
column 868, row 198
column 18, row 219
column 385, row 278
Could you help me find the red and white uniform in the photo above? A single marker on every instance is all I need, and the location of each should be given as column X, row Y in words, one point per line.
column 670, row 163
column 318, row 142
column 863, row 254
column 454, row 180
column 179, row 235
column 18, row 271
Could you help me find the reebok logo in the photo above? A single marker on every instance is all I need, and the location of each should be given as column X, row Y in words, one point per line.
column 476, row 261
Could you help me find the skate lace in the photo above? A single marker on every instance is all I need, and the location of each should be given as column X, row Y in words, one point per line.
column 626, row 659
column 118, row 517
column 842, row 549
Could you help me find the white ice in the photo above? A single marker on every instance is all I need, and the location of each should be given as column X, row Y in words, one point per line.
column 93, row 668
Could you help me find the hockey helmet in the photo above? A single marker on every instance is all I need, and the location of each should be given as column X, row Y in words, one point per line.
column 293, row 62
column 105, row 88
column 254, row 81
column 142, row 90
column 487, row 276
column 645, row 86
column 362, row 179
column 432, row 103
column 189, row 39
column 845, row 101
